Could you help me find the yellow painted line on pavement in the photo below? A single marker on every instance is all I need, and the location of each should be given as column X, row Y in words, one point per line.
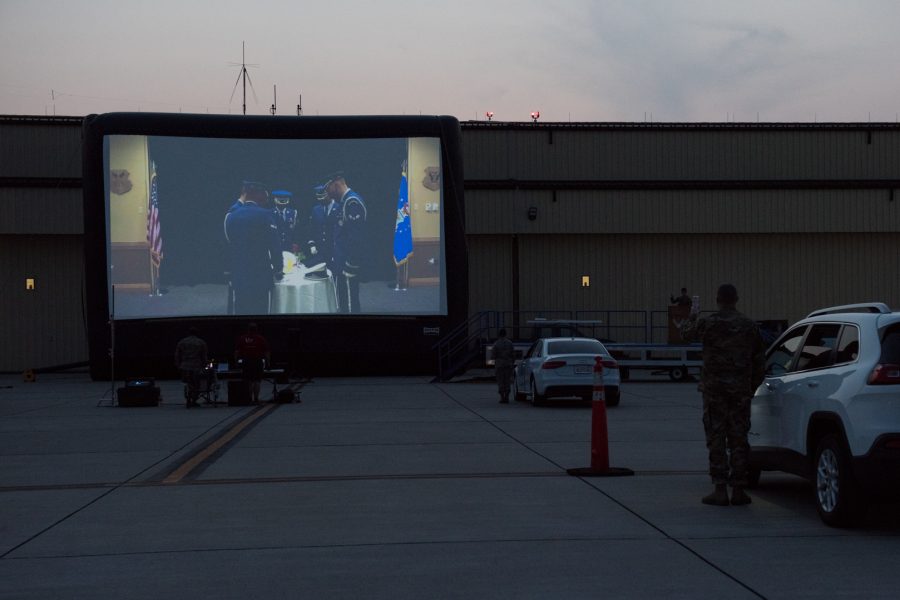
column 182, row 471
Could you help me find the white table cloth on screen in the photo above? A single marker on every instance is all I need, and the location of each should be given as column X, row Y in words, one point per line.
column 296, row 294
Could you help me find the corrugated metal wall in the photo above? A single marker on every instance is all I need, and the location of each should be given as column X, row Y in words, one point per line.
column 45, row 326
column 798, row 217
column 41, row 227
column 682, row 211
column 39, row 147
column 491, row 271
column 660, row 153
column 41, row 210
column 778, row 276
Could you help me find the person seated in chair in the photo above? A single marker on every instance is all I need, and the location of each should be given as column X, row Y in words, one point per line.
column 191, row 359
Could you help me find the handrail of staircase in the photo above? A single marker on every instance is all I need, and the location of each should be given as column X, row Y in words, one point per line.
column 460, row 337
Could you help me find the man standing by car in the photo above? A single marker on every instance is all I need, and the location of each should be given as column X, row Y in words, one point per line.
column 504, row 355
column 733, row 367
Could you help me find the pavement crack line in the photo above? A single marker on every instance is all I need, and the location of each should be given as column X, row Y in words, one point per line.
column 112, row 489
column 473, row 541
column 619, row 503
column 318, row 478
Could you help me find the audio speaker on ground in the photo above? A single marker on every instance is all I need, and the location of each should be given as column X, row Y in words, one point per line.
column 138, row 395
column 238, row 394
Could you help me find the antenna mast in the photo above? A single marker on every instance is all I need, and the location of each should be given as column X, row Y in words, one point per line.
column 245, row 76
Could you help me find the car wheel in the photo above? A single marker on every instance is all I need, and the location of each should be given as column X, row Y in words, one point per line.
column 518, row 394
column 611, row 396
column 678, row 374
column 536, row 399
column 837, row 496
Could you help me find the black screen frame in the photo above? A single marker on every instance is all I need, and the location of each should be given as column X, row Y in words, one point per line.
column 310, row 344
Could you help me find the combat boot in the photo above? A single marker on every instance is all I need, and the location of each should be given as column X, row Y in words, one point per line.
column 739, row 496
column 719, row 497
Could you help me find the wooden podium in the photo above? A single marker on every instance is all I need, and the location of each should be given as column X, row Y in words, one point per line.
column 677, row 314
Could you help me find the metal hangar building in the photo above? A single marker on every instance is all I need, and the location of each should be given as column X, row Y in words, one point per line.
column 580, row 219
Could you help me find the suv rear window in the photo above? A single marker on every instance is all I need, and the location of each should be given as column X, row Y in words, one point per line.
column 575, row 347
column 848, row 347
column 890, row 347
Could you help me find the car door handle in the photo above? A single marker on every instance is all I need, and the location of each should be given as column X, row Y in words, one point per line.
column 813, row 383
column 772, row 385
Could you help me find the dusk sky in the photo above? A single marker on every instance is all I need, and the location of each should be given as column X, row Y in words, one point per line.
column 572, row 60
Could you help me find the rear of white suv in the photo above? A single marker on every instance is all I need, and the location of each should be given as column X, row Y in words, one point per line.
column 829, row 408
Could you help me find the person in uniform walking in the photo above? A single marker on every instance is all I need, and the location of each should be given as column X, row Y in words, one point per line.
column 733, row 367
column 504, row 355
column 255, row 251
column 191, row 359
column 348, row 241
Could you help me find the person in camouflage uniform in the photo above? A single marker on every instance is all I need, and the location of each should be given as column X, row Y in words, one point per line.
column 504, row 355
column 191, row 358
column 733, row 367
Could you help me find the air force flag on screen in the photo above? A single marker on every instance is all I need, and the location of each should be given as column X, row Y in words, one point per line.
column 403, row 243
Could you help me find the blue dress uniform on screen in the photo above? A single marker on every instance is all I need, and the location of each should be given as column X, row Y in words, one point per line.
column 349, row 242
column 285, row 219
column 254, row 251
column 322, row 220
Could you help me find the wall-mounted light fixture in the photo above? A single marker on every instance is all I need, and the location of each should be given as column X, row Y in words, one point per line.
column 532, row 213
column 585, row 281
column 29, row 283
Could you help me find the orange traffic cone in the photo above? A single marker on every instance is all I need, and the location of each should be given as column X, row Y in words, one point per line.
column 599, row 435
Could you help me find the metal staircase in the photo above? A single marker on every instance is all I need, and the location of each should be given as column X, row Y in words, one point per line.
column 465, row 343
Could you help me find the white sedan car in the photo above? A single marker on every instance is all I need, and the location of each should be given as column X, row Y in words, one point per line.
column 564, row 368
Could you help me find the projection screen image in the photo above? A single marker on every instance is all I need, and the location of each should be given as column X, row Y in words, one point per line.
column 234, row 226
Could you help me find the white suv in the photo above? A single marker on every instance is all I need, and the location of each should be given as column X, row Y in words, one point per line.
column 829, row 408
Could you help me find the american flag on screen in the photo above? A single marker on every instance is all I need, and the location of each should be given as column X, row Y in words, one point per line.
column 154, row 235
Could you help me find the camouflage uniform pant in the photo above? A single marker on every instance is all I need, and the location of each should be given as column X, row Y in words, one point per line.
column 191, row 378
column 504, row 378
column 726, row 421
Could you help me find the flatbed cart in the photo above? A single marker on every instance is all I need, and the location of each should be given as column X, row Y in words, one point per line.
column 681, row 362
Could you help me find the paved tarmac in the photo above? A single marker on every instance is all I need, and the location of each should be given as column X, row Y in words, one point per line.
column 398, row 488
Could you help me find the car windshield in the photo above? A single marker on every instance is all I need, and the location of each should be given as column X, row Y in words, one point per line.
column 575, row 347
